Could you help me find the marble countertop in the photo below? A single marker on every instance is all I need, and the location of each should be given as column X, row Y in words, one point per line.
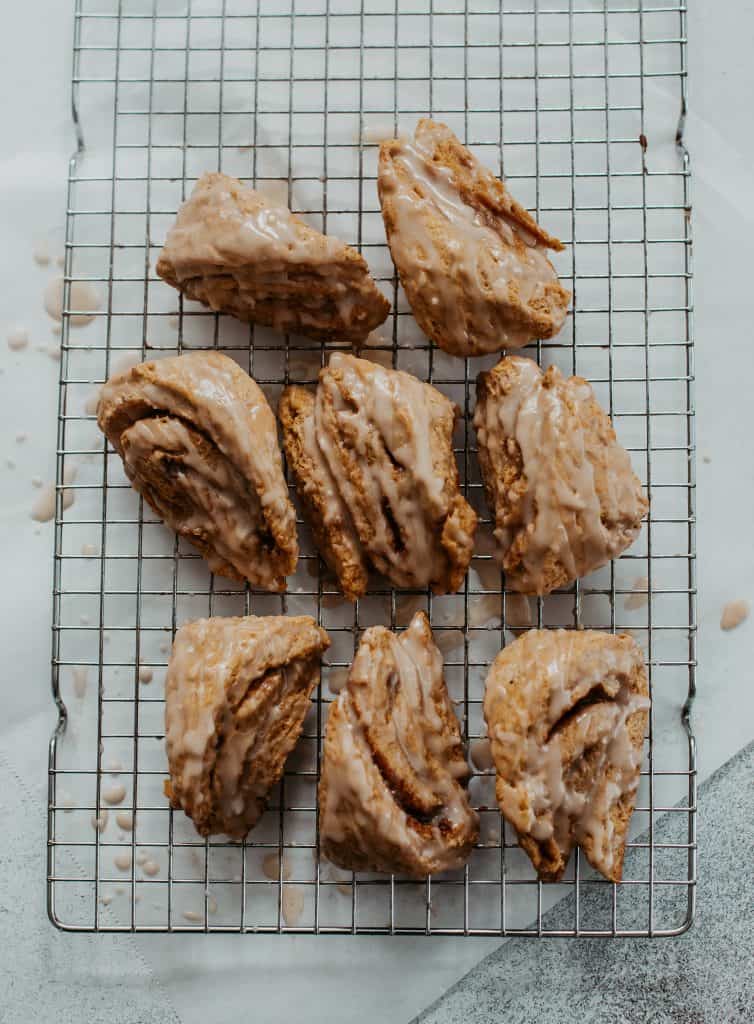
column 105, row 978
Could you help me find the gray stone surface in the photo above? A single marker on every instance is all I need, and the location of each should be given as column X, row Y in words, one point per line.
column 46, row 975
column 702, row 977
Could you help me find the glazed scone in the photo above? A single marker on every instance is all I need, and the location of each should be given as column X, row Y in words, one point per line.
column 392, row 795
column 471, row 260
column 234, row 250
column 236, row 694
column 561, row 488
column 199, row 442
column 371, row 454
column 566, row 714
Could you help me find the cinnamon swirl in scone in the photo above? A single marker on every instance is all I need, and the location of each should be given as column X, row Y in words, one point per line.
column 561, row 488
column 234, row 250
column 471, row 260
column 392, row 794
column 372, row 457
column 199, row 442
column 566, row 714
column 236, row 694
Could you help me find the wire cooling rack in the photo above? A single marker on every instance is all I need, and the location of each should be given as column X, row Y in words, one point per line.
column 579, row 101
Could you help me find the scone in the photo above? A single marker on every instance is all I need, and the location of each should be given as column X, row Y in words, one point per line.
column 236, row 694
column 199, row 442
column 371, row 454
column 471, row 260
column 392, row 794
column 563, row 494
column 238, row 253
column 566, row 714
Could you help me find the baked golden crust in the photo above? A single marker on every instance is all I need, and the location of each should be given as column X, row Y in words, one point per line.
column 392, row 793
column 471, row 260
column 372, row 456
column 328, row 517
column 561, row 488
column 566, row 714
column 199, row 442
column 238, row 253
column 236, row 694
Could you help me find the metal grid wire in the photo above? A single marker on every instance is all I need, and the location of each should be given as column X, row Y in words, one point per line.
column 579, row 101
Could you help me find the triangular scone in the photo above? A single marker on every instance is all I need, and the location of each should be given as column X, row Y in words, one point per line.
column 372, row 457
column 236, row 694
column 566, row 714
column 471, row 260
column 392, row 794
column 234, row 250
column 199, row 442
column 563, row 493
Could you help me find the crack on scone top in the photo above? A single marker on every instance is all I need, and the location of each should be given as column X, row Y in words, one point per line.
column 597, row 695
column 393, row 526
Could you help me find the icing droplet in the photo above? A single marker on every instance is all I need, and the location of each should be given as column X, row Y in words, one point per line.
column 151, row 867
column 123, row 861
column 449, row 641
column 125, row 820
column 80, row 674
column 99, row 824
column 481, row 754
column 88, row 549
column 18, row 339
column 638, row 599
column 114, row 794
column 43, row 509
column 41, row 253
column 83, row 300
column 191, row 915
column 337, row 679
column 734, row 613
column 293, row 904
column 271, row 867
column 146, row 675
